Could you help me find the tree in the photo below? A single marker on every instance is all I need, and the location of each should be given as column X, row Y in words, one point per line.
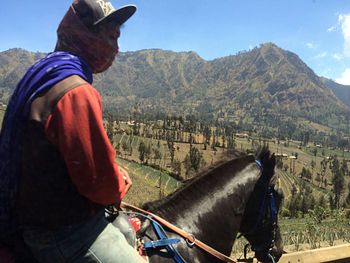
column 148, row 152
column 110, row 128
column 295, row 205
column 331, row 202
column 313, row 165
column 177, row 167
column 157, row 155
column 322, row 201
column 125, row 147
column 170, row 143
column 206, row 134
column 142, row 151
column 294, row 190
column 117, row 147
column 306, row 173
column 338, row 182
column 347, row 199
column 343, row 143
column 344, row 168
column 318, row 177
column 323, row 169
column 130, row 145
column 192, row 160
column 306, row 138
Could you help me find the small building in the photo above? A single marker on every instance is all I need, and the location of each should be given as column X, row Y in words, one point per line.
column 281, row 155
column 241, row 135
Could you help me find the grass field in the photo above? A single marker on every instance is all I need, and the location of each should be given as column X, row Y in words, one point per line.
column 305, row 233
column 287, row 178
column 149, row 184
column 181, row 150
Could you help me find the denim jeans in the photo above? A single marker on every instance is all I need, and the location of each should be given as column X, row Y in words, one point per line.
column 95, row 240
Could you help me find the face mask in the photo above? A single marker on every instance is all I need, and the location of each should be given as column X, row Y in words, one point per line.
column 75, row 37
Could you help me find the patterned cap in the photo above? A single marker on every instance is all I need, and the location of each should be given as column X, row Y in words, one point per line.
column 95, row 12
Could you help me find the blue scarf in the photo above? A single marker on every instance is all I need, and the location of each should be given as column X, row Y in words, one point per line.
column 44, row 74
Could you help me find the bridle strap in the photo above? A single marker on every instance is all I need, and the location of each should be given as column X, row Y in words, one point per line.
column 190, row 239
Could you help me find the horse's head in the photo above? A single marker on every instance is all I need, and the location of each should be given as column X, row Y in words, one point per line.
column 259, row 223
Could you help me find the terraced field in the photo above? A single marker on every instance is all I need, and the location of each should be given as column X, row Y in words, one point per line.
column 285, row 183
column 148, row 184
column 286, row 180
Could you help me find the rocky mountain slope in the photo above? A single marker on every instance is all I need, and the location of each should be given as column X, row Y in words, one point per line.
column 265, row 80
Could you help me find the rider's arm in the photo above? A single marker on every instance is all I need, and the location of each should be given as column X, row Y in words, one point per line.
column 75, row 127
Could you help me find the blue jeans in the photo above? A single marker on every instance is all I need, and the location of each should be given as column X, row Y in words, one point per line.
column 95, row 240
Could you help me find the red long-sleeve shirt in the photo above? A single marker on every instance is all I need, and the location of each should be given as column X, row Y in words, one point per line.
column 75, row 127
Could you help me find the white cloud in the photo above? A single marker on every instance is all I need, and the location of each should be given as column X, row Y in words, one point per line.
column 311, row 45
column 332, row 28
column 345, row 77
column 337, row 56
column 321, row 55
column 344, row 21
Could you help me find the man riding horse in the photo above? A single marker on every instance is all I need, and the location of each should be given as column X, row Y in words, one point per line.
column 58, row 172
column 55, row 155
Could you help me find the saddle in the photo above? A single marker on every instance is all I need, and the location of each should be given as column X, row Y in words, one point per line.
column 130, row 226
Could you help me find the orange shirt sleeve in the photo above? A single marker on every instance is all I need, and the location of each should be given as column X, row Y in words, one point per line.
column 75, row 127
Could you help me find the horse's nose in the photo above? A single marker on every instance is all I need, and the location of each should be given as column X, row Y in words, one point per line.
column 276, row 253
column 271, row 256
column 264, row 257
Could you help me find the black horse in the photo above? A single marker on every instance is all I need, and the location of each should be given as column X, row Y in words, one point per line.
column 234, row 196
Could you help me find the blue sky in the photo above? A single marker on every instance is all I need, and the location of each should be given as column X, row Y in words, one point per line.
column 316, row 30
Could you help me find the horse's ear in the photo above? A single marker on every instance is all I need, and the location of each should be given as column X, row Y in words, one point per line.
column 262, row 153
column 267, row 160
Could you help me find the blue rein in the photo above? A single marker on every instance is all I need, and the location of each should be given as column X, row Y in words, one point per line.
column 165, row 242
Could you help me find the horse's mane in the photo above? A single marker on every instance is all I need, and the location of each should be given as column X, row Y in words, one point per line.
column 195, row 178
column 260, row 152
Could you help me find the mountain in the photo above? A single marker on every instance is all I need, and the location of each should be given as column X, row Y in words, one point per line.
column 262, row 85
column 266, row 85
column 341, row 91
column 13, row 64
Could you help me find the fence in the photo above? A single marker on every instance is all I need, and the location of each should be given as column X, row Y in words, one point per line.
column 338, row 254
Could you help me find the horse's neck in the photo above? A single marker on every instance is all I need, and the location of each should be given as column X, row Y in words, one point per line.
column 215, row 215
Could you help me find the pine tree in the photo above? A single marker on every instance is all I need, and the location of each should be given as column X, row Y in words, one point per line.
column 142, row 151
column 347, row 199
column 338, row 182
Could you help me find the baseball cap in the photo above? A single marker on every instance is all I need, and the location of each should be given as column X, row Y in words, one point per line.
column 96, row 12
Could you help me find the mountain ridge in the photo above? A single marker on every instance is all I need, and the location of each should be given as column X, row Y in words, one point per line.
column 266, row 78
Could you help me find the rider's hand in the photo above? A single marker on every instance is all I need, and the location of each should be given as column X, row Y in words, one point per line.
column 126, row 177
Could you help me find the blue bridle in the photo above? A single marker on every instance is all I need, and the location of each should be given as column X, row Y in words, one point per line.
column 268, row 199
